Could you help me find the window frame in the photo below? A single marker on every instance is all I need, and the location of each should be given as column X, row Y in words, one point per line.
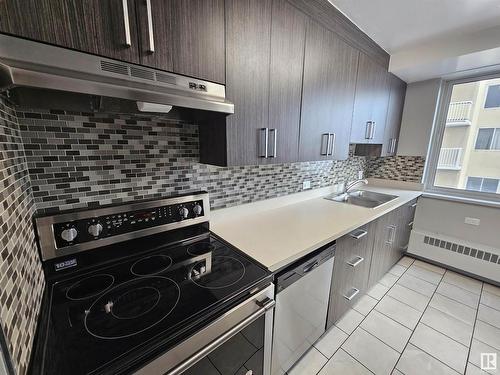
column 436, row 141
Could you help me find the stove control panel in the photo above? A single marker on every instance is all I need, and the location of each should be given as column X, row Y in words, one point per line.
column 85, row 230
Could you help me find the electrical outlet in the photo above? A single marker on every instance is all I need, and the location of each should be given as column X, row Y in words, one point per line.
column 472, row 221
column 360, row 175
column 306, row 185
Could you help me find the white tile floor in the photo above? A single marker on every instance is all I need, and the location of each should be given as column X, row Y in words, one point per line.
column 419, row 319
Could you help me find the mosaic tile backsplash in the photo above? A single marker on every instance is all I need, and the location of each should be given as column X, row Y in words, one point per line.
column 56, row 160
column 21, row 279
column 78, row 160
column 400, row 168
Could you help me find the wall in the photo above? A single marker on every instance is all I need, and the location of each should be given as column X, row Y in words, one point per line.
column 79, row 160
column 418, row 117
column 399, row 168
column 444, row 219
column 21, row 279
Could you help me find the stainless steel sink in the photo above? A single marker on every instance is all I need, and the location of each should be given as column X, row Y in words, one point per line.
column 363, row 198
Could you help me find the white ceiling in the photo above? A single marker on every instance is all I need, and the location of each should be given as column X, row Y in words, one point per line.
column 398, row 24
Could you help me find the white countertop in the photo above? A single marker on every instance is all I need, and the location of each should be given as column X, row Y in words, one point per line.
column 279, row 231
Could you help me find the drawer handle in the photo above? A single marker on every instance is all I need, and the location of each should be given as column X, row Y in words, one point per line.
column 310, row 267
column 410, row 224
column 356, row 261
column 352, row 293
column 414, row 205
column 357, row 234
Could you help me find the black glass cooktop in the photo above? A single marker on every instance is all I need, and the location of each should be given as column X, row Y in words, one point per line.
column 103, row 321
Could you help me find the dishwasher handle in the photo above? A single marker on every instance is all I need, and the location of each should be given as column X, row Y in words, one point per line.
column 311, row 266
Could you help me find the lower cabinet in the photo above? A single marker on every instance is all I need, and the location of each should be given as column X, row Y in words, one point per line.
column 385, row 252
column 350, row 271
column 364, row 256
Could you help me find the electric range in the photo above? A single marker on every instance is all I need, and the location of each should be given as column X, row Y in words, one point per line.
column 146, row 288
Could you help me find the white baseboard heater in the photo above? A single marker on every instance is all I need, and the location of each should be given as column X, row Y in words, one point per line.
column 472, row 258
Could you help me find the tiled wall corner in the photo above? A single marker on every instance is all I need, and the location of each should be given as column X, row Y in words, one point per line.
column 399, row 168
column 80, row 160
column 21, row 278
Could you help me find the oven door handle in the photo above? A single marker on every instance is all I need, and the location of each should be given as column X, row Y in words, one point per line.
column 265, row 305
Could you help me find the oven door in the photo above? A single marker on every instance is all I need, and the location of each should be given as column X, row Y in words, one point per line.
column 238, row 342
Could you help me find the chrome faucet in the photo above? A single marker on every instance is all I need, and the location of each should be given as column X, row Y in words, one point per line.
column 349, row 186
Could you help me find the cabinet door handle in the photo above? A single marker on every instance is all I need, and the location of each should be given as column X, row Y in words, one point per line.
column 263, row 142
column 351, row 294
column 368, row 130
column 331, row 143
column 410, row 224
column 150, row 27
column 392, row 234
column 358, row 233
column 356, row 261
column 372, row 130
column 325, row 142
column 392, row 145
column 414, row 205
column 126, row 24
column 274, row 142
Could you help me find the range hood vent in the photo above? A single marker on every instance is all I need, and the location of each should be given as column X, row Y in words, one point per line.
column 25, row 63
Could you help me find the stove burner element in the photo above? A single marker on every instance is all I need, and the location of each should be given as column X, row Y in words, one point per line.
column 226, row 271
column 200, row 248
column 132, row 307
column 151, row 265
column 89, row 287
column 143, row 301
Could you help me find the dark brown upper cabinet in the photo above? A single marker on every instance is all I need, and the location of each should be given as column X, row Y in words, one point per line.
column 101, row 27
column 328, row 95
column 371, row 101
column 394, row 115
column 264, row 65
column 288, row 34
column 183, row 36
column 248, row 52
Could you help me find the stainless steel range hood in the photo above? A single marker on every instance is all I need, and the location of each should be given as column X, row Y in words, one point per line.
column 25, row 63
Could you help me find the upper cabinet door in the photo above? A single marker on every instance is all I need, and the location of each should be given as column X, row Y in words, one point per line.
column 328, row 95
column 248, row 41
column 371, row 101
column 101, row 27
column 288, row 33
column 183, row 36
column 394, row 115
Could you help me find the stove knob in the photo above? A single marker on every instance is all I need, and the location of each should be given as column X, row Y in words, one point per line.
column 183, row 212
column 197, row 209
column 69, row 234
column 95, row 229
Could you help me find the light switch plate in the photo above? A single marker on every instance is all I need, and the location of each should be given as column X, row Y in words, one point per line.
column 360, row 175
column 472, row 221
column 306, row 184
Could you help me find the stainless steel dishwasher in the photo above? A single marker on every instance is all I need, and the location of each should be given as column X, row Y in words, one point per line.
column 303, row 292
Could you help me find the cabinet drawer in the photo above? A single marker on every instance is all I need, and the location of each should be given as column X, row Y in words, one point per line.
column 351, row 271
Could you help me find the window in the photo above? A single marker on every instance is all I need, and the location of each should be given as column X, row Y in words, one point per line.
column 493, row 97
column 488, row 139
column 454, row 167
column 488, row 185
